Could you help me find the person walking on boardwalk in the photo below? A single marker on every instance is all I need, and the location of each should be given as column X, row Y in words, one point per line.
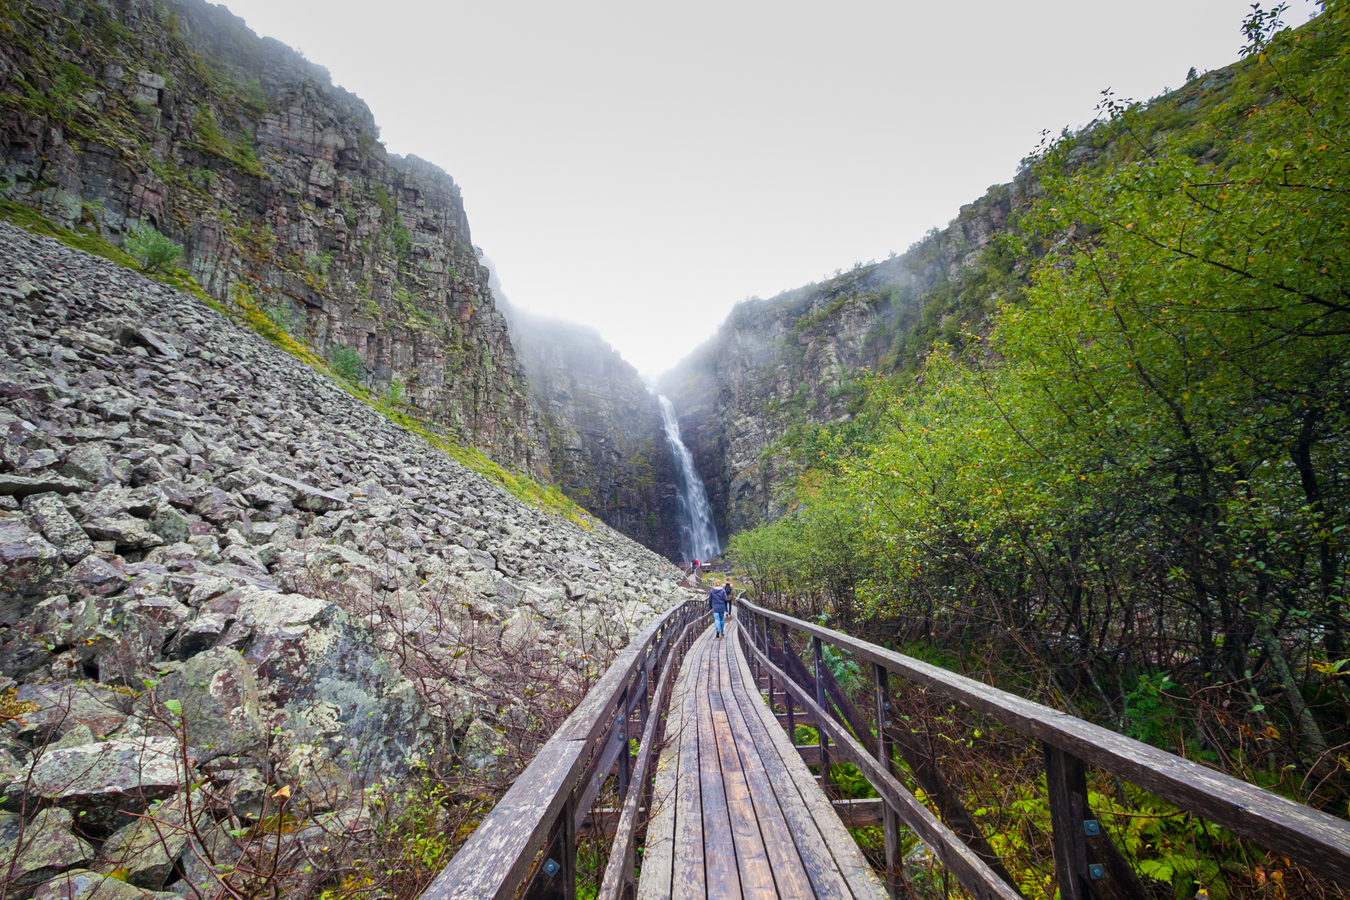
column 717, row 599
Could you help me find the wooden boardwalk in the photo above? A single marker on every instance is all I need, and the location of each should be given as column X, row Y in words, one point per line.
column 737, row 812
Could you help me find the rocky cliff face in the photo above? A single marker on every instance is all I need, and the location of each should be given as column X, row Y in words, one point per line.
column 795, row 358
column 224, row 578
column 173, row 115
column 607, row 448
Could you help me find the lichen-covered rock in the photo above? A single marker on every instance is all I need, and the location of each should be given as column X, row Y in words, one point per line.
column 29, row 565
column 58, row 526
column 63, row 705
column 106, row 781
column 147, row 848
column 80, row 884
column 40, row 847
column 329, row 682
column 218, row 695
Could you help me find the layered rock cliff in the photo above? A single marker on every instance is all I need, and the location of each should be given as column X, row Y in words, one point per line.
column 174, row 116
column 796, row 358
column 602, row 427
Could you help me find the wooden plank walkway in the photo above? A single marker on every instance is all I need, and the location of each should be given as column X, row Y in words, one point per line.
column 737, row 812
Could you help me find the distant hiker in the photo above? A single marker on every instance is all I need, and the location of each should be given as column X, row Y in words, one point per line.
column 693, row 570
column 730, row 592
column 717, row 599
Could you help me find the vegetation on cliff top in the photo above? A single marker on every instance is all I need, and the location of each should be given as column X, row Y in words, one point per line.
column 1131, row 495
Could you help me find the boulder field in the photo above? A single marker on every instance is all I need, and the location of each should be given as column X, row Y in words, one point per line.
column 229, row 590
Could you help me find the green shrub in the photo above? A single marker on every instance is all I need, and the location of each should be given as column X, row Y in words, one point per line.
column 152, row 251
column 347, row 363
column 396, row 395
column 282, row 315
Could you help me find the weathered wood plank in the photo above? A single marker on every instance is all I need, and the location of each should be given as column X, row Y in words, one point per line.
column 766, row 784
column 833, row 862
column 506, row 842
column 688, row 881
column 752, row 859
column 658, row 856
column 1310, row 837
column 972, row 871
column 868, row 812
column 619, row 871
column 719, row 848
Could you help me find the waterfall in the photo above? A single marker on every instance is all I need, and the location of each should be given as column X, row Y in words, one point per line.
column 698, row 535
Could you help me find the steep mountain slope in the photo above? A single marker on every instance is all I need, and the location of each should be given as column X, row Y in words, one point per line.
column 796, row 358
column 204, row 540
column 752, row 398
column 602, row 427
column 175, row 116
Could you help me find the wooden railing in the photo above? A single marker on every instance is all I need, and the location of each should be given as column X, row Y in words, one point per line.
column 548, row 804
column 1087, row 864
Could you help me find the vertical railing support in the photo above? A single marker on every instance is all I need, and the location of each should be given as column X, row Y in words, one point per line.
column 787, row 697
column 625, row 748
column 886, row 753
column 556, row 877
column 1066, row 784
column 764, row 648
column 822, row 739
column 1088, row 865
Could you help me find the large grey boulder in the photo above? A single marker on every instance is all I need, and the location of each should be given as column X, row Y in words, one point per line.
column 23, row 485
column 126, row 531
column 29, row 564
column 147, row 848
column 334, row 688
column 39, row 848
column 62, row 706
column 108, row 781
column 88, row 463
column 218, row 695
column 80, row 884
column 58, row 526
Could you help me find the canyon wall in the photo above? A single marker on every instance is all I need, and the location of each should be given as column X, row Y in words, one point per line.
column 602, row 428
column 796, row 358
column 175, row 116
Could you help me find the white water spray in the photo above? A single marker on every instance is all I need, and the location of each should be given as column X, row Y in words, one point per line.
column 698, row 534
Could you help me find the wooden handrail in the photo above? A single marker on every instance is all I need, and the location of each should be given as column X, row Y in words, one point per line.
column 1308, row 836
column 554, row 793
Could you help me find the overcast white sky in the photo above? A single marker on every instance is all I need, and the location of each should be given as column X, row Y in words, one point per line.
column 643, row 166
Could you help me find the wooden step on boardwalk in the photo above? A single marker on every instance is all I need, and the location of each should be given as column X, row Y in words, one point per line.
column 737, row 814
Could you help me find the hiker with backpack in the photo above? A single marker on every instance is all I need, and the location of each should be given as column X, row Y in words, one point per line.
column 719, row 601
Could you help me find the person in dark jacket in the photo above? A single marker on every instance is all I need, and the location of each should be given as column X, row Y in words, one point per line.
column 717, row 599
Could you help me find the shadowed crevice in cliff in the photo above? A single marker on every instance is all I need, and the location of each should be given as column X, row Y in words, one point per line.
column 602, row 427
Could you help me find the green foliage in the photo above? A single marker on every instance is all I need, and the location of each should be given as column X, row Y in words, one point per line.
column 153, row 251
column 1133, row 489
column 400, row 238
column 347, row 364
column 211, row 139
column 282, row 315
column 396, row 395
column 318, row 263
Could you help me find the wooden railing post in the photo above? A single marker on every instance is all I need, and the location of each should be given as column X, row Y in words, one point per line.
column 625, row 749
column 763, row 623
column 823, row 739
column 556, row 877
column 1087, row 864
column 787, row 697
column 885, row 753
